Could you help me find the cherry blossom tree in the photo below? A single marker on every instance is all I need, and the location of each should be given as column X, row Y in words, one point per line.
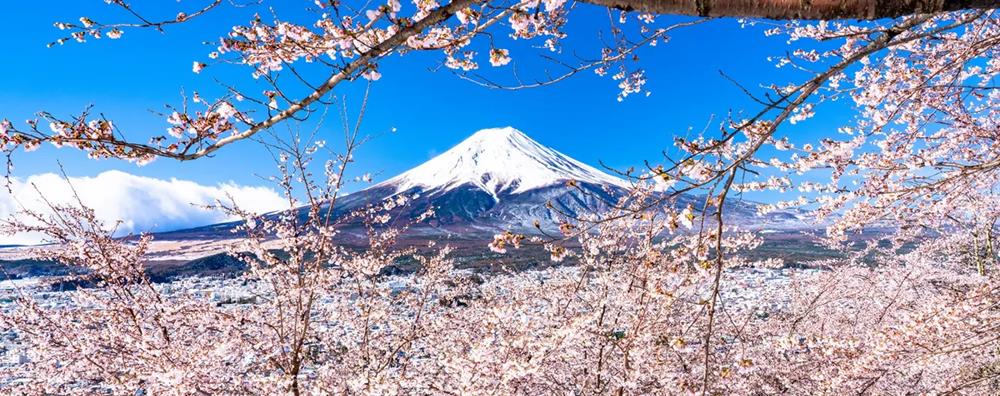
column 648, row 306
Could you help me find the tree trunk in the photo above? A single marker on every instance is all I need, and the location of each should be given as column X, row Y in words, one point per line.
column 796, row 9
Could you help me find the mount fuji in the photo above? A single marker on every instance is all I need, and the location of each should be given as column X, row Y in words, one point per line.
column 496, row 179
column 501, row 179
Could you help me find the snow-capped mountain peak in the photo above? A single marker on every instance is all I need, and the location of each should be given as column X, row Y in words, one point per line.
column 498, row 160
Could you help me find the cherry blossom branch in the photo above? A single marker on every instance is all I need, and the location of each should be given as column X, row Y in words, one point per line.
column 89, row 27
column 605, row 62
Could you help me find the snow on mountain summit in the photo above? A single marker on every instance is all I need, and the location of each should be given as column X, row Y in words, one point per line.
column 498, row 160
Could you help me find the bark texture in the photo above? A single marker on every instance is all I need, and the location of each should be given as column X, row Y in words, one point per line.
column 797, row 9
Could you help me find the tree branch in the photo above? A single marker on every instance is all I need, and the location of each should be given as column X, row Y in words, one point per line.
column 796, row 9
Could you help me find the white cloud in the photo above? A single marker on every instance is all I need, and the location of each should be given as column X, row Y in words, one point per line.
column 142, row 203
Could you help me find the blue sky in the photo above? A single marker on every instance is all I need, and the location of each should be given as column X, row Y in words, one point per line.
column 430, row 108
